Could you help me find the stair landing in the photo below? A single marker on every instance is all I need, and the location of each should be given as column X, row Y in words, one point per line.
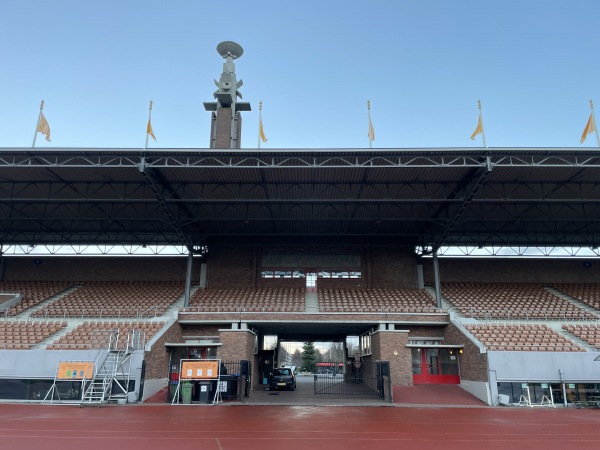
column 435, row 394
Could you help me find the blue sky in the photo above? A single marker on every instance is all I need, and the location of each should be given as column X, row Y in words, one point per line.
column 314, row 64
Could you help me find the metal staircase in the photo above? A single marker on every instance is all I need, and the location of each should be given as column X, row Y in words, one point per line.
column 112, row 370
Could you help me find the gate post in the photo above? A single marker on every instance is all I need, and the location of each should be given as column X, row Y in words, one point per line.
column 391, row 345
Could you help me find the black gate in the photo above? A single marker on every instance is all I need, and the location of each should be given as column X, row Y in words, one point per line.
column 353, row 379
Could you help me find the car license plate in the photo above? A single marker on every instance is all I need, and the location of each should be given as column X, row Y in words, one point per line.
column 280, row 384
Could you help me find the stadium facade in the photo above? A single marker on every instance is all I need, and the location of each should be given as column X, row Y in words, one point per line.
column 302, row 244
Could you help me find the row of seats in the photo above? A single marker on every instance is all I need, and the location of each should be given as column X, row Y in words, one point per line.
column 33, row 292
column 522, row 338
column 372, row 300
column 259, row 299
column 511, row 301
column 135, row 299
column 91, row 335
column 587, row 333
column 587, row 293
column 330, row 300
column 115, row 299
column 24, row 335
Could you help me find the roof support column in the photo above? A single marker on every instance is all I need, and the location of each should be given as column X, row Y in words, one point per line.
column 188, row 277
column 436, row 280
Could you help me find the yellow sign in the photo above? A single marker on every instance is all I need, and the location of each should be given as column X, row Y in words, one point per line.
column 194, row 370
column 75, row 370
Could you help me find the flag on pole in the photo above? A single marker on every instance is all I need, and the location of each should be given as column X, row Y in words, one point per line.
column 149, row 129
column 43, row 127
column 479, row 128
column 371, row 134
column 371, row 131
column 261, row 131
column 590, row 127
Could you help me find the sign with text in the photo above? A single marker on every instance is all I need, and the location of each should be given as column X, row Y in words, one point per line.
column 197, row 370
column 75, row 370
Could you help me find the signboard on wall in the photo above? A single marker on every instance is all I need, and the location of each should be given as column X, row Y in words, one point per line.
column 198, row 370
column 69, row 370
column 312, row 261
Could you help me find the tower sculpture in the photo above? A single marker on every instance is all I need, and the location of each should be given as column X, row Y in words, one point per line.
column 226, row 127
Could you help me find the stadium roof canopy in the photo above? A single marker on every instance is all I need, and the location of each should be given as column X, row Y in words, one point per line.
column 421, row 197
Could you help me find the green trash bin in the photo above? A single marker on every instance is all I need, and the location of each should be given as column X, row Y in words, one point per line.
column 186, row 393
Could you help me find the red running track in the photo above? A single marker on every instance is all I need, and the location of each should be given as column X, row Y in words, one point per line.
column 243, row 427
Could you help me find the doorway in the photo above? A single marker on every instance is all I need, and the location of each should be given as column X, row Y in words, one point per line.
column 436, row 365
column 311, row 281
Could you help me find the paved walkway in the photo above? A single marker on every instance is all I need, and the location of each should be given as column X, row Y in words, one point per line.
column 435, row 395
column 304, row 395
column 420, row 395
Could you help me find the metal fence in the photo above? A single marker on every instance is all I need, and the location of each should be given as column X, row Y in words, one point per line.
column 353, row 379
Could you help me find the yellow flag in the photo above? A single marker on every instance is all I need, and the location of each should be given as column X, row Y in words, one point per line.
column 261, row 132
column 371, row 130
column 149, row 130
column 43, row 127
column 479, row 128
column 590, row 127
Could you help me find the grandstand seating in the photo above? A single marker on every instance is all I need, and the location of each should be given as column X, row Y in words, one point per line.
column 376, row 300
column 586, row 332
column 16, row 335
column 528, row 337
column 96, row 334
column 33, row 292
column 116, row 299
column 511, row 301
column 248, row 299
column 588, row 293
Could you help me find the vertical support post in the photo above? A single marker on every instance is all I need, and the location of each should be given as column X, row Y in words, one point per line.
column 564, row 387
column 188, row 277
column 203, row 274
column 420, row 277
column 1, row 264
column 436, row 275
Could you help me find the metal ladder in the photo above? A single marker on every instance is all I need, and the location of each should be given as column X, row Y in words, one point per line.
column 99, row 390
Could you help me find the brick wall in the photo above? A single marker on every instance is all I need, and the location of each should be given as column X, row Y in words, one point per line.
column 391, row 346
column 424, row 331
column 368, row 318
column 199, row 330
column 473, row 365
column 239, row 266
column 237, row 344
column 69, row 268
column 157, row 359
column 539, row 270
column 230, row 267
column 393, row 267
column 222, row 129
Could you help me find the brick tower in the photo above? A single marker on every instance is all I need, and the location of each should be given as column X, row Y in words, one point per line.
column 226, row 126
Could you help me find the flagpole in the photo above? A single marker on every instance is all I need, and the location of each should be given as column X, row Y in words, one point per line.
column 149, row 121
column 37, row 124
column 370, row 125
column 482, row 127
column 595, row 125
column 259, row 121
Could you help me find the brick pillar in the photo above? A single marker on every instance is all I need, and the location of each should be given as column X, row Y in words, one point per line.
column 237, row 344
column 222, row 135
column 391, row 346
